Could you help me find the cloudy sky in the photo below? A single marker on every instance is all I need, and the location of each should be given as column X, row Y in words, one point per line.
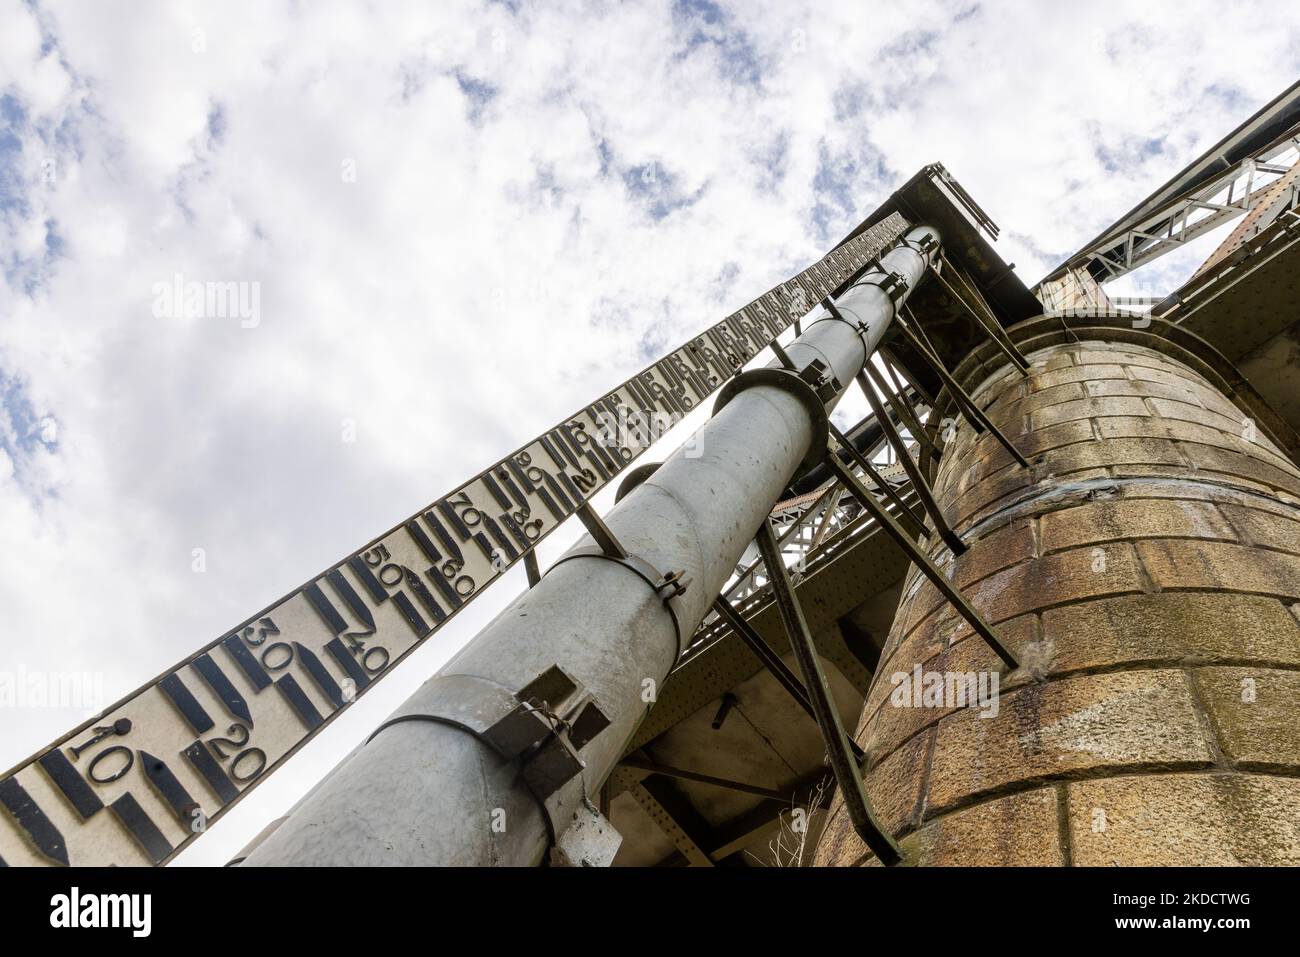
column 464, row 220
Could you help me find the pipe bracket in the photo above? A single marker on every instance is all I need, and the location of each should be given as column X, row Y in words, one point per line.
column 800, row 388
column 543, row 725
column 925, row 246
column 892, row 284
column 668, row 587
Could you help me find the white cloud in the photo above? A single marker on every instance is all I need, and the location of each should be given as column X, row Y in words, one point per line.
column 542, row 200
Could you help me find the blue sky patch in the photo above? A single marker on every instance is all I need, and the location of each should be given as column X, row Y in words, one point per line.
column 1233, row 98
column 833, row 199
column 774, row 160
column 659, row 191
column 606, row 156
column 216, row 125
column 706, row 24
column 13, row 117
column 22, row 418
column 852, row 100
column 545, row 188
column 30, row 432
column 839, row 196
column 478, row 92
column 910, row 44
column 1129, row 155
column 654, row 341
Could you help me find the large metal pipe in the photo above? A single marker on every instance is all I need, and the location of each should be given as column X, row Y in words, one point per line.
column 427, row 793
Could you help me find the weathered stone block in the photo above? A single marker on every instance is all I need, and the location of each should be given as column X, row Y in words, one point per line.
column 1133, row 519
column 1113, row 452
column 1063, row 374
column 1256, row 713
column 1265, row 528
column 1123, row 721
column 1183, row 411
column 1016, row 831
column 1170, row 627
column 1214, row 566
column 1185, row 820
column 1086, row 409
column 1247, row 466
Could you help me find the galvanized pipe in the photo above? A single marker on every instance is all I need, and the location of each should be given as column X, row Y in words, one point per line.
column 425, row 793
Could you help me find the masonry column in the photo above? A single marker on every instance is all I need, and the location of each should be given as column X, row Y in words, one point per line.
column 1147, row 572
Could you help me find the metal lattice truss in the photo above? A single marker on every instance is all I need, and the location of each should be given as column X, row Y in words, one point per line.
column 1226, row 197
column 1230, row 180
column 1234, row 193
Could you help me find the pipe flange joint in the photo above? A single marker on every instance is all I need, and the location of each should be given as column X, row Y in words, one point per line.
column 793, row 383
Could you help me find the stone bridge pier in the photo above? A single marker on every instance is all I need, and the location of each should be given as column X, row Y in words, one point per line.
column 1147, row 573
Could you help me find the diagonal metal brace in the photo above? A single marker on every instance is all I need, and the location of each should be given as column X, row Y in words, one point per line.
column 767, row 654
column 889, row 491
column 892, row 361
column 843, row 762
column 920, row 342
column 895, row 394
column 974, row 414
column 922, row 560
column 965, row 280
column 951, row 539
column 986, row 322
column 930, row 449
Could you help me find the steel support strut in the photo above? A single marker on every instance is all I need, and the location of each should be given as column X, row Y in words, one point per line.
column 917, row 339
column 847, row 773
column 974, row 414
column 767, row 654
column 919, row 484
column 888, row 490
column 895, row 392
column 891, row 360
column 922, row 561
column 984, row 318
column 930, row 450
